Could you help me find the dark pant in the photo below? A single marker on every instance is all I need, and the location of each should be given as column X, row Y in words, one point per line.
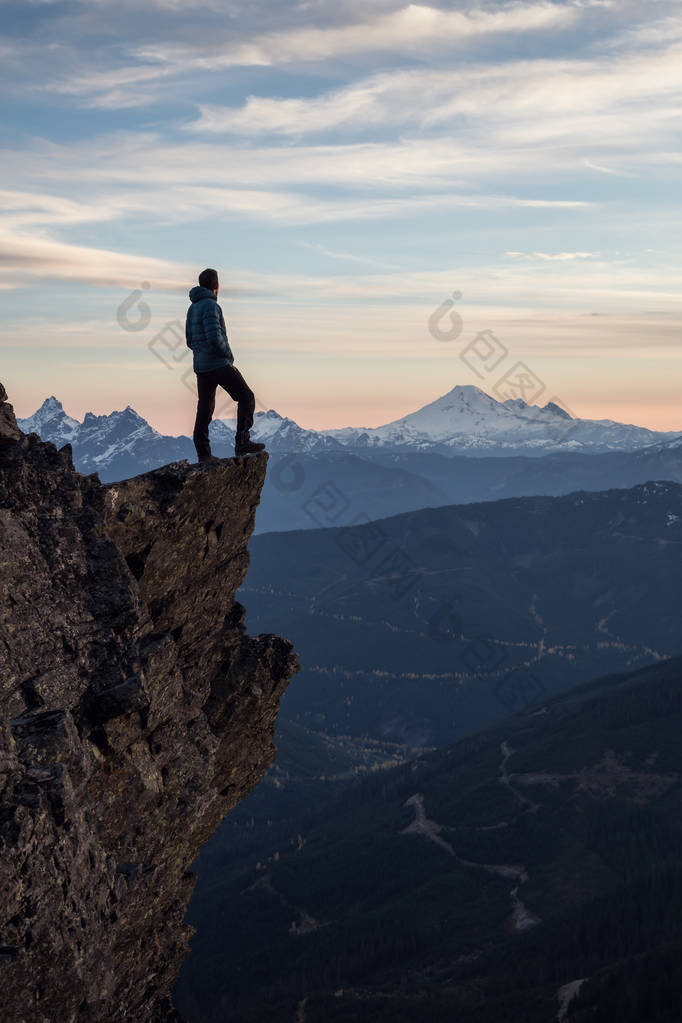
column 234, row 383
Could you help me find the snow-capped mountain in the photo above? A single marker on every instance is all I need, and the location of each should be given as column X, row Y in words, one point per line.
column 466, row 420
column 51, row 423
column 674, row 444
column 123, row 443
column 116, row 445
column 280, row 435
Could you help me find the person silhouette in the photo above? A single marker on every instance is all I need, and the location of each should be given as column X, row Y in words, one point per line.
column 214, row 367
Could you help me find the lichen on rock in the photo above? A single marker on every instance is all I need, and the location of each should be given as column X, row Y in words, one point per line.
column 135, row 713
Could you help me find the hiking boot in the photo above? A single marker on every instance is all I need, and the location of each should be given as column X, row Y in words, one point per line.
column 244, row 446
column 204, row 459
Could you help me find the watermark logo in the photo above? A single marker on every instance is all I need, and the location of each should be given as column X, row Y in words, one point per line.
column 444, row 312
column 519, row 382
column 519, row 688
column 288, row 474
column 326, row 506
column 483, row 654
column 445, row 625
column 169, row 346
column 135, row 305
column 362, row 545
column 485, row 354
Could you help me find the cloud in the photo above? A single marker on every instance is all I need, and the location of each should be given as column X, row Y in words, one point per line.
column 233, row 37
column 115, row 88
column 26, row 258
column 148, row 159
column 651, row 31
column 19, row 208
column 344, row 37
column 297, row 184
column 550, row 281
column 347, row 256
column 622, row 99
column 615, row 172
column 561, row 257
column 414, row 29
column 27, row 254
column 409, row 142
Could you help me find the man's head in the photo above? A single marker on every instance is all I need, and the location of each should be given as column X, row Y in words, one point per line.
column 209, row 279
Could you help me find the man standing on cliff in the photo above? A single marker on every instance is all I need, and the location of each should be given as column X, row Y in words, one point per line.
column 214, row 366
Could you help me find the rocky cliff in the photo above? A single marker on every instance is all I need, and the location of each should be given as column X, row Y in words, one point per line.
column 134, row 714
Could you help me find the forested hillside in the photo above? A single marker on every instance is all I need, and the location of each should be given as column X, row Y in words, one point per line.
column 533, row 866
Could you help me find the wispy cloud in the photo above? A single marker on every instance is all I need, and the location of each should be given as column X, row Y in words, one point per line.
column 563, row 280
column 612, row 171
column 18, row 209
column 413, row 29
column 416, row 31
column 25, row 257
column 622, row 100
column 348, row 256
column 339, row 161
column 561, row 257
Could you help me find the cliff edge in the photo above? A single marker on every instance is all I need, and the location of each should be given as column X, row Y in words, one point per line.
column 135, row 713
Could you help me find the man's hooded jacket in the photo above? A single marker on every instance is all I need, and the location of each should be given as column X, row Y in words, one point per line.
column 205, row 332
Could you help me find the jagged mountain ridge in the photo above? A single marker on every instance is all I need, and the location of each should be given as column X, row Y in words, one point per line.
column 123, row 443
column 280, row 434
column 51, row 423
column 466, row 420
column 371, row 481
column 135, row 712
column 116, row 446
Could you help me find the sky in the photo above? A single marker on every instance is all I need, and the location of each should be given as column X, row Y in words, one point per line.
column 399, row 198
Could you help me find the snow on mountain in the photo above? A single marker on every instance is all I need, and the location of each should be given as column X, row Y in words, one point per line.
column 466, row 420
column 674, row 444
column 116, row 445
column 122, row 443
column 281, row 435
column 51, row 423
column 114, row 436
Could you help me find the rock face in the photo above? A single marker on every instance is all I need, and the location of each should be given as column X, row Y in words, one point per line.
column 9, row 431
column 134, row 714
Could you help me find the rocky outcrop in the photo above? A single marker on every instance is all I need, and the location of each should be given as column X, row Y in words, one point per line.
column 134, row 714
column 9, row 431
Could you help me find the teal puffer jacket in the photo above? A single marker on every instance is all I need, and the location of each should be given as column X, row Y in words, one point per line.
column 205, row 332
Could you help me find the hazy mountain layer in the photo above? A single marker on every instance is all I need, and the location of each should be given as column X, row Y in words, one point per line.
column 420, row 628
column 529, row 873
column 316, row 481
column 463, row 421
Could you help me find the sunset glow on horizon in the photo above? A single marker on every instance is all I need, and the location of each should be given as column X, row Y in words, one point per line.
column 347, row 170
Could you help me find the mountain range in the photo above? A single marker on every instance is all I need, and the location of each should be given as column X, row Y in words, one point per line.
column 366, row 475
column 466, row 420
